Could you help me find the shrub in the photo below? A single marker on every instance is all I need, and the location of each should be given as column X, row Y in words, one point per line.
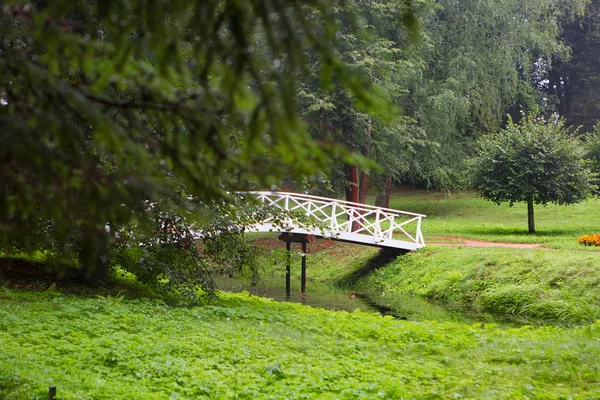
column 166, row 258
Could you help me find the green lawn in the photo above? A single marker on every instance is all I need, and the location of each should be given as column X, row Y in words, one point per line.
column 246, row 347
column 469, row 216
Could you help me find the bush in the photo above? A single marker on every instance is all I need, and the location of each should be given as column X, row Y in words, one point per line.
column 174, row 258
column 166, row 258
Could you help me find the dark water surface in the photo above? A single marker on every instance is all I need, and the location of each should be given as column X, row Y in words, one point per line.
column 406, row 307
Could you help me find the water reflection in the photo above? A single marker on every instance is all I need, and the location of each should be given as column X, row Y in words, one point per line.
column 405, row 307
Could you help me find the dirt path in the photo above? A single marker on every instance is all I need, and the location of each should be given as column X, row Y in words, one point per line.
column 457, row 241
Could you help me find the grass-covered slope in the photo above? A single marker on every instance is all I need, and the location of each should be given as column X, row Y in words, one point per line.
column 246, row 347
column 548, row 286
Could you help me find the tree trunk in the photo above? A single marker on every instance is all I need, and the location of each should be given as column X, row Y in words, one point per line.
column 352, row 192
column 352, row 185
column 363, row 188
column 354, row 195
column 364, row 176
column 93, row 260
column 530, row 217
column 383, row 198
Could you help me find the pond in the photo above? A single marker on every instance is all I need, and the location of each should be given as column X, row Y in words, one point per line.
column 400, row 306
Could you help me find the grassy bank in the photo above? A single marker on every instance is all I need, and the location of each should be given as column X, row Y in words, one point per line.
column 110, row 347
column 548, row 286
column 519, row 285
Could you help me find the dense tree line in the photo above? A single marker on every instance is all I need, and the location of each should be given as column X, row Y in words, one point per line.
column 474, row 63
column 575, row 82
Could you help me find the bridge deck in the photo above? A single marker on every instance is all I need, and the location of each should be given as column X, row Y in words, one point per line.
column 343, row 237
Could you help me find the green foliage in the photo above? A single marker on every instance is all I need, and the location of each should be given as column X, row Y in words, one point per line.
column 559, row 286
column 480, row 60
column 593, row 142
column 167, row 259
column 535, row 161
column 111, row 347
column 386, row 52
column 176, row 259
column 105, row 105
column 576, row 82
column 436, row 82
column 592, row 153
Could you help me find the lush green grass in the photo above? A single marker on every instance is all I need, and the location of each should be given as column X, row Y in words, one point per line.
column 107, row 347
column 246, row 347
column 469, row 216
column 547, row 286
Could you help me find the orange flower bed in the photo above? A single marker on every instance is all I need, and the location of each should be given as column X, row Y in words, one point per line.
column 589, row 240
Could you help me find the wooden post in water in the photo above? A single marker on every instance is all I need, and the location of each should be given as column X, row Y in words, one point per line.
column 287, row 269
column 303, row 274
column 288, row 238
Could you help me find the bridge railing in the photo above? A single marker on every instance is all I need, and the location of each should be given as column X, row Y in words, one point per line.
column 339, row 216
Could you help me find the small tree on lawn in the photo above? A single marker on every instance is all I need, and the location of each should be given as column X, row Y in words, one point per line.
column 536, row 162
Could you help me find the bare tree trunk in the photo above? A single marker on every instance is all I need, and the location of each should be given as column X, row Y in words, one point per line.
column 363, row 187
column 364, row 176
column 383, row 198
column 353, row 183
column 354, row 194
column 530, row 216
column 352, row 191
column 93, row 260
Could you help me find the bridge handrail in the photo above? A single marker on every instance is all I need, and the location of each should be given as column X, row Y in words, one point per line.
column 356, row 212
column 360, row 206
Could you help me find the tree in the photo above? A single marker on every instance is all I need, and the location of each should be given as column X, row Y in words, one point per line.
column 576, row 82
column 535, row 161
column 506, row 47
column 106, row 105
column 384, row 51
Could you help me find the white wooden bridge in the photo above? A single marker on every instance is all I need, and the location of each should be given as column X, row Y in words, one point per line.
column 343, row 220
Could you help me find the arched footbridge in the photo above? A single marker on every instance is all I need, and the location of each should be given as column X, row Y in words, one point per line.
column 393, row 230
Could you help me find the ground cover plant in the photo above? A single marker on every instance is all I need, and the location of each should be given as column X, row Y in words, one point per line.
column 108, row 347
column 104, row 344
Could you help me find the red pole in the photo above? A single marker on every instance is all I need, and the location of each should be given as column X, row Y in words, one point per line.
column 354, row 195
